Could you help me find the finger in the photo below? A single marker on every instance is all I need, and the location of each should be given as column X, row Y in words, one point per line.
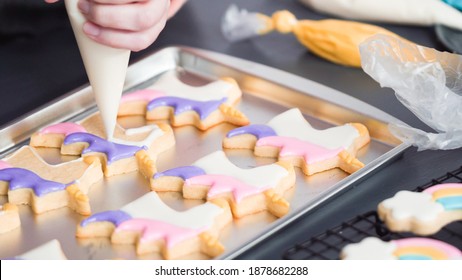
column 136, row 16
column 51, row 1
column 121, row 39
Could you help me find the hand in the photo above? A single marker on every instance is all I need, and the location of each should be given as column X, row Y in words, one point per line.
column 125, row 24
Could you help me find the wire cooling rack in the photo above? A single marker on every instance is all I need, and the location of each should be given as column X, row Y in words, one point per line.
column 327, row 246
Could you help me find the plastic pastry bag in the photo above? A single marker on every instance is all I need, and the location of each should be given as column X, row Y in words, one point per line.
column 413, row 12
column 240, row 24
column 331, row 39
column 426, row 81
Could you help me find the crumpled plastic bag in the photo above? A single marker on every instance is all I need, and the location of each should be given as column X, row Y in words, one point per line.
column 238, row 25
column 426, row 81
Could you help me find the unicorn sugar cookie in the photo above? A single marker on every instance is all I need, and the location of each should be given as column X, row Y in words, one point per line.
column 423, row 212
column 129, row 150
column 372, row 248
column 27, row 179
column 182, row 104
column 290, row 138
column 155, row 227
column 247, row 190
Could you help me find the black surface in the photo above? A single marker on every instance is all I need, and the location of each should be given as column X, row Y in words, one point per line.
column 450, row 37
column 36, row 69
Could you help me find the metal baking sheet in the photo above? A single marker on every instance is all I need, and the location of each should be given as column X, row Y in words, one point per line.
column 267, row 92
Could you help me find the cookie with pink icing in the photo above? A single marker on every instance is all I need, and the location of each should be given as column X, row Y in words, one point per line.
column 247, row 190
column 425, row 212
column 182, row 104
column 27, row 179
column 290, row 138
column 9, row 217
column 128, row 150
column 372, row 248
column 51, row 250
column 153, row 227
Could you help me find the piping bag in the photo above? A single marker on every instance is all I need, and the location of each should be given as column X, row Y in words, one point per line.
column 413, row 12
column 331, row 39
column 426, row 81
column 106, row 68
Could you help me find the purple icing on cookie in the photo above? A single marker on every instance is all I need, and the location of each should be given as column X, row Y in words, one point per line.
column 181, row 105
column 20, row 178
column 185, row 172
column 97, row 144
column 116, row 217
column 258, row 130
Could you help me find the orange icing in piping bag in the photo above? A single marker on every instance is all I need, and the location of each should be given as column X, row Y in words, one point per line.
column 331, row 39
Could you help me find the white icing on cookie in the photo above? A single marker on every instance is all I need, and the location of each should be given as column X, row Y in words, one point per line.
column 261, row 177
column 418, row 205
column 150, row 206
column 172, row 86
column 155, row 133
column 141, row 129
column 292, row 124
column 370, row 248
column 48, row 251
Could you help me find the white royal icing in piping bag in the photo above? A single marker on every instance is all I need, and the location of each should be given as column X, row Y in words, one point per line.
column 106, row 69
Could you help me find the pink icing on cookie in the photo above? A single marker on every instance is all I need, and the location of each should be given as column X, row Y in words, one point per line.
column 63, row 128
column 142, row 95
column 450, row 251
column 152, row 230
column 433, row 189
column 294, row 147
column 4, row 164
column 220, row 184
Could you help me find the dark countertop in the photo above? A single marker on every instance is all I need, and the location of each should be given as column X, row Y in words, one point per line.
column 35, row 70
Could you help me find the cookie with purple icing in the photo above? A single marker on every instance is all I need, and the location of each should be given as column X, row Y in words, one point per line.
column 128, row 150
column 290, row 138
column 27, row 179
column 182, row 104
column 247, row 191
column 154, row 227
